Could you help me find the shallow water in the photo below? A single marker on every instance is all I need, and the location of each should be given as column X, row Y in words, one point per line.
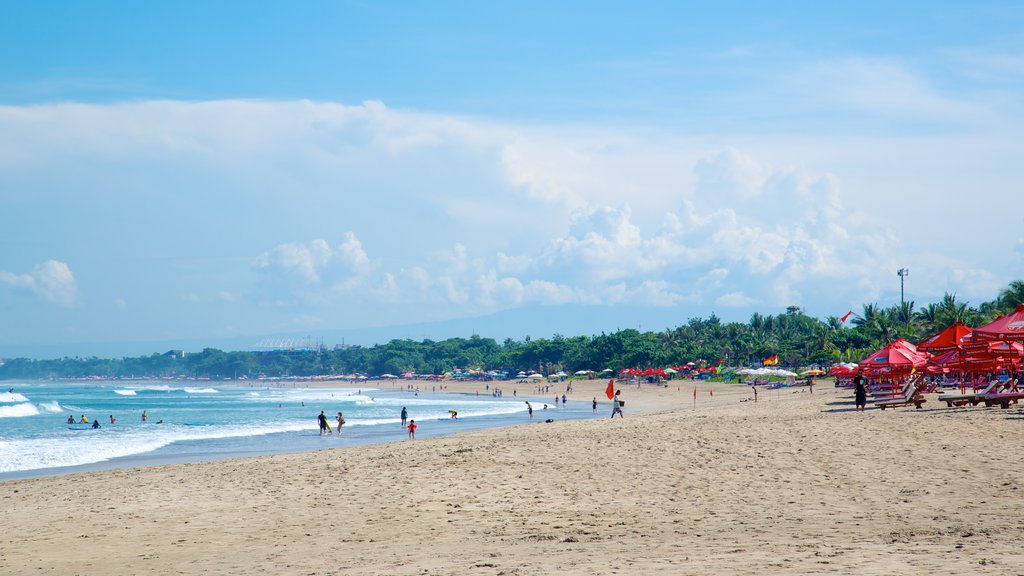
column 208, row 421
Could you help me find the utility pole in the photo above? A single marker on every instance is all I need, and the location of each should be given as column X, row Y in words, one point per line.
column 902, row 273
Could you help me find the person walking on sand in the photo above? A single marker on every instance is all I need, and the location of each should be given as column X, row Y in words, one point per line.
column 860, row 392
column 322, row 420
column 617, row 405
column 405, row 415
column 412, row 429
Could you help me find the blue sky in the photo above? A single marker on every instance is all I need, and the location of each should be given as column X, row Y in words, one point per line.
column 199, row 171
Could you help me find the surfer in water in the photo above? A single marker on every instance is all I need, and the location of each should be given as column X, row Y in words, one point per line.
column 71, row 419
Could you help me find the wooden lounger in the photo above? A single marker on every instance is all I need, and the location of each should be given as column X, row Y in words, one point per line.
column 973, row 398
column 912, row 396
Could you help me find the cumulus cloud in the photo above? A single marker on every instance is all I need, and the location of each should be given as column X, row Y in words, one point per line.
column 52, row 281
column 448, row 216
column 747, row 233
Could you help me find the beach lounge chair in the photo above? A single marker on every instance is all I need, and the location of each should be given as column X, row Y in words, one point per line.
column 912, row 395
column 1004, row 395
column 972, row 398
column 889, row 392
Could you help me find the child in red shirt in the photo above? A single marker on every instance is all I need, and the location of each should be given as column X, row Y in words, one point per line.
column 412, row 429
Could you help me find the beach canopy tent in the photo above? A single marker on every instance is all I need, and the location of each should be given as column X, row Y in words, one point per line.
column 899, row 358
column 671, row 371
column 812, row 372
column 947, row 339
column 1008, row 327
column 583, row 372
column 536, row 376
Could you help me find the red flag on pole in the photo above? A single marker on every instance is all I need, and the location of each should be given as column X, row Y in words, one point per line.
column 610, row 390
column 847, row 316
column 694, row 392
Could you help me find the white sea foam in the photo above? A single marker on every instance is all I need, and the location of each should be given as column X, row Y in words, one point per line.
column 19, row 410
column 125, row 392
column 52, row 407
column 91, row 446
column 11, row 397
column 202, row 390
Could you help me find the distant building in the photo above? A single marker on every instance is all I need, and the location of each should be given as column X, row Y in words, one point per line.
column 175, row 353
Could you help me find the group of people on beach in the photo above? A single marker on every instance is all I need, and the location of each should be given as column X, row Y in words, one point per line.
column 406, row 422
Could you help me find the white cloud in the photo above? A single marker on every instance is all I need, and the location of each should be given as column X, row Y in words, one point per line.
column 735, row 300
column 381, row 215
column 301, row 261
column 52, row 281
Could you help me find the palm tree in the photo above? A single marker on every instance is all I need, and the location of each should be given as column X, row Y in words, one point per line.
column 1011, row 296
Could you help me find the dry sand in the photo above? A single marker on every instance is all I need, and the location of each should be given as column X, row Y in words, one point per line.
column 794, row 484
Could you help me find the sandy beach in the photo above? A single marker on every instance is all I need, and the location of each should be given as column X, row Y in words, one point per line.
column 796, row 483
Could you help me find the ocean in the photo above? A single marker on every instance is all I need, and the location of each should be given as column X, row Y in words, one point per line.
column 196, row 421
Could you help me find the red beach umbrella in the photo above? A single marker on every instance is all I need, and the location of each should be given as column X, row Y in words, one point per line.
column 946, row 339
column 1008, row 327
column 899, row 358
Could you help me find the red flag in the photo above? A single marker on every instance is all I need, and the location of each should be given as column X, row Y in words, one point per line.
column 694, row 392
column 610, row 390
column 844, row 318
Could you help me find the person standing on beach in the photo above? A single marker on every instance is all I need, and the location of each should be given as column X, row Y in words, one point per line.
column 595, row 404
column 405, row 415
column 860, row 392
column 529, row 408
column 617, row 405
column 412, row 429
column 341, row 421
column 322, row 420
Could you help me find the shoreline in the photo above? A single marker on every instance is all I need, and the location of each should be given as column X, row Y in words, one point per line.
column 797, row 483
column 374, row 435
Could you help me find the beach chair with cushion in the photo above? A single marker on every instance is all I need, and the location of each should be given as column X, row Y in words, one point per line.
column 912, row 395
column 972, row 398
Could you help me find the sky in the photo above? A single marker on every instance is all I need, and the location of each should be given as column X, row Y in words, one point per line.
column 229, row 171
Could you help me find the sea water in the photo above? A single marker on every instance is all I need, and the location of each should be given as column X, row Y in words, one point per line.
column 208, row 421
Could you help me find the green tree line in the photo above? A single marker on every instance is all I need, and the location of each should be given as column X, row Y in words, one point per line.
column 797, row 339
